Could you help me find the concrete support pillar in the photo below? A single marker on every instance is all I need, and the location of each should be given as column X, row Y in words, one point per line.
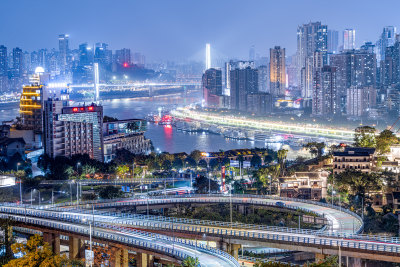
column 76, row 248
column 53, row 240
column 125, row 258
column 319, row 257
column 234, row 250
column 141, row 260
column 56, row 244
column 117, row 260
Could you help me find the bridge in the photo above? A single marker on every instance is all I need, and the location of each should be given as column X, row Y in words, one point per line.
column 341, row 237
column 137, row 180
column 245, row 122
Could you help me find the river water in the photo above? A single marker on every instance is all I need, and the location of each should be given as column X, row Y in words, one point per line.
column 164, row 137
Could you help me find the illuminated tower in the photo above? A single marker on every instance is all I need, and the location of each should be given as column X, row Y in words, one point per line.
column 277, row 71
column 208, row 56
column 349, row 39
column 96, row 82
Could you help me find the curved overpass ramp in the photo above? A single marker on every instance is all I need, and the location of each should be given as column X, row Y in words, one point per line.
column 341, row 220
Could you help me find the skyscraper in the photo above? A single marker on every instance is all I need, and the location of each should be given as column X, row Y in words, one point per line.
column 263, row 79
column 3, row 61
column 390, row 66
column 63, row 47
column 208, row 56
column 123, row 57
column 86, row 55
column 354, row 68
column 3, row 69
column 243, row 81
column 277, row 71
column 349, row 39
column 325, row 99
column 212, row 87
column 311, row 37
column 18, row 62
column 386, row 39
column 333, row 41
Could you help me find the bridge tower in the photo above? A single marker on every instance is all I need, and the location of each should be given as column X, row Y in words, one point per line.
column 96, row 82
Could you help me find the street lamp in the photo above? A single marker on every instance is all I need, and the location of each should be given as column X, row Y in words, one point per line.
column 19, row 163
column 90, row 233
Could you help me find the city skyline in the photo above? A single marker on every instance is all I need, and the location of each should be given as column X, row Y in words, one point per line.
column 179, row 30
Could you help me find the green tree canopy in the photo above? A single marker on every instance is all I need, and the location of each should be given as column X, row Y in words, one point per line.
column 365, row 136
column 384, row 140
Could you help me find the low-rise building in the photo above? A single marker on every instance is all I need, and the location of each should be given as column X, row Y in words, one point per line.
column 354, row 158
column 10, row 146
column 304, row 185
column 125, row 134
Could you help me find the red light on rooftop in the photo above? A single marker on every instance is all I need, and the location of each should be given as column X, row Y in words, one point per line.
column 90, row 108
column 82, row 109
column 126, row 65
column 75, row 110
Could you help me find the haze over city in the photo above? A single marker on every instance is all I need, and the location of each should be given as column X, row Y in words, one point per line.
column 178, row 29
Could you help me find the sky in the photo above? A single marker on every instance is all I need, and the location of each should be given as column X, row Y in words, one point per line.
column 179, row 29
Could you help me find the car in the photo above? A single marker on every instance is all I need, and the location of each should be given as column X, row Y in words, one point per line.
column 280, row 204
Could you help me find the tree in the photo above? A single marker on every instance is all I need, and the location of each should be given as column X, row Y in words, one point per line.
column 102, row 255
column 315, row 148
column 7, row 240
column 110, row 192
column 177, row 163
column 213, row 164
column 365, row 136
column 36, row 253
column 190, row 162
column 122, row 170
column 255, row 161
column 166, row 165
column 191, row 262
column 282, row 154
column 384, row 140
column 203, row 164
column 202, row 184
column 196, row 155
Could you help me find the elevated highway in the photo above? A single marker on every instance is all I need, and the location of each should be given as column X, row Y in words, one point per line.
column 341, row 238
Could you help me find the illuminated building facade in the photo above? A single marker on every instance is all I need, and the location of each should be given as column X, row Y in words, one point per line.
column 212, row 87
column 243, row 81
column 277, row 71
column 73, row 130
column 312, row 37
column 349, row 39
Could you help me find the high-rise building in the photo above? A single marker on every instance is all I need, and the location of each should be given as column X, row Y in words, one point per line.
column 387, row 38
column 33, row 97
column 139, row 60
column 243, row 81
column 73, row 130
column 390, row 66
column 212, row 87
column 311, row 37
column 208, row 56
column 263, row 79
column 86, row 55
column 354, row 68
column 123, row 57
column 3, row 69
column 325, row 100
column 277, row 71
column 102, row 54
column 333, row 41
column 63, row 48
column 349, row 39
column 3, row 61
column 360, row 100
column 18, row 62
